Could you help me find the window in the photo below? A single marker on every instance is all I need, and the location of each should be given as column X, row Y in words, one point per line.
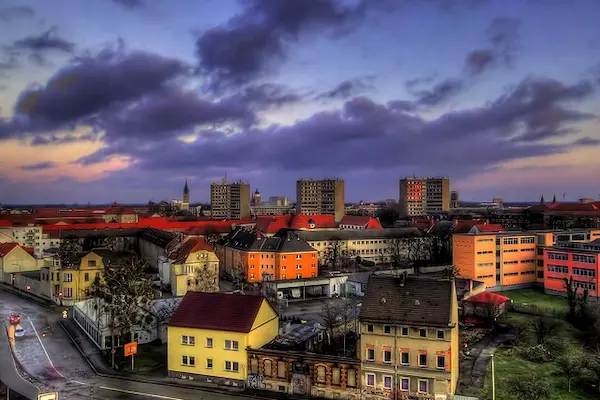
column 558, row 256
column 387, row 356
column 321, row 374
column 86, row 277
column 423, row 360
column 231, row 345
column 298, row 256
column 423, row 332
column 188, row 361
column 209, row 363
column 387, row 382
column 440, row 334
column 67, row 277
column 584, row 259
column 336, row 376
column 298, row 266
column 370, row 354
column 352, row 377
column 188, row 340
column 528, row 240
column 298, row 276
column 209, row 342
column 441, row 362
column 404, row 360
column 370, row 379
column 387, row 329
column 68, row 292
column 370, row 328
column 560, row 269
column 404, row 331
column 91, row 263
column 584, row 272
column 423, row 386
column 404, row 384
column 511, row 240
column 281, row 367
column 268, row 367
column 232, row 366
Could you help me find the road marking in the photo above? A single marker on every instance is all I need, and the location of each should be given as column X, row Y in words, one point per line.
column 156, row 396
column 44, row 347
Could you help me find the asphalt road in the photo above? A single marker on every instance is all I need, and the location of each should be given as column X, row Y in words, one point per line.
column 53, row 364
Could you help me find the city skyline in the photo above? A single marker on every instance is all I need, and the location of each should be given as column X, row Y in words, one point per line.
column 123, row 100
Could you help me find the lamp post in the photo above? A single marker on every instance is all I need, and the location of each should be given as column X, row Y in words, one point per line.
column 493, row 379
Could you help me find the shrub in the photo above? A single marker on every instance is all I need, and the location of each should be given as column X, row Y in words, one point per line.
column 537, row 354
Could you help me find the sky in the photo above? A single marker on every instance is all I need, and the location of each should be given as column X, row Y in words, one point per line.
column 123, row 100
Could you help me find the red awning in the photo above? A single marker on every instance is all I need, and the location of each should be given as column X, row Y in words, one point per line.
column 488, row 297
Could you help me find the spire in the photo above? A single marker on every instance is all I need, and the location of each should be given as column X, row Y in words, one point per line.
column 542, row 201
column 554, row 199
column 186, row 192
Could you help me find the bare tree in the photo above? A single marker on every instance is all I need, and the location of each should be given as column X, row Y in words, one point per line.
column 396, row 251
column 543, row 328
column 330, row 317
column 162, row 312
column 238, row 279
column 336, row 255
column 205, row 279
column 529, row 387
column 570, row 367
column 488, row 312
column 127, row 294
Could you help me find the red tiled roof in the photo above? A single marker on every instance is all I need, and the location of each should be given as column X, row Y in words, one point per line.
column 217, row 311
column 593, row 207
column 191, row 245
column 360, row 220
column 488, row 297
column 158, row 223
column 273, row 224
column 320, row 221
column 464, row 226
column 6, row 248
column 374, row 224
column 490, row 228
column 4, row 222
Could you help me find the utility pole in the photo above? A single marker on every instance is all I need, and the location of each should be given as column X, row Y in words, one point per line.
column 493, row 379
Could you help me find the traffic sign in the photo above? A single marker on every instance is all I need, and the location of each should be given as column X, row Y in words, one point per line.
column 130, row 349
column 48, row 396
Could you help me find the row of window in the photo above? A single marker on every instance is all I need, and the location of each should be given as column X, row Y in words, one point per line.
column 283, row 267
column 191, row 341
column 404, row 383
column 283, row 257
column 268, row 277
column 405, row 358
column 404, row 331
column 190, row 361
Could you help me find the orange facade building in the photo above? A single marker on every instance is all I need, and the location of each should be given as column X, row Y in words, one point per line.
column 506, row 259
column 256, row 257
column 579, row 261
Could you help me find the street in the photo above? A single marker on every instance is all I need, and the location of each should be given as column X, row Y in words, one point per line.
column 53, row 364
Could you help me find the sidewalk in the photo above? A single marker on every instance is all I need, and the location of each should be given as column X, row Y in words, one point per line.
column 34, row 298
column 102, row 368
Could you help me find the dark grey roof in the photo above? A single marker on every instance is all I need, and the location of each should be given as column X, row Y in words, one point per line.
column 359, row 234
column 110, row 257
column 107, row 232
column 285, row 241
column 157, row 237
column 421, row 301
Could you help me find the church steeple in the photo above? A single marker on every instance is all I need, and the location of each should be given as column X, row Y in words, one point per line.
column 186, row 193
column 542, row 202
column 554, row 199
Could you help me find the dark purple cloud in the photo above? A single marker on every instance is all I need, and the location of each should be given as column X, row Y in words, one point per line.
column 93, row 84
column 347, row 88
column 39, row 47
column 587, row 141
column 39, row 166
column 130, row 4
column 256, row 41
column 12, row 13
column 366, row 134
column 502, row 36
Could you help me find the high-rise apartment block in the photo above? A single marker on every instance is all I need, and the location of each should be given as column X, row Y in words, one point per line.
column 454, row 199
column 320, row 197
column 230, row 200
column 424, row 196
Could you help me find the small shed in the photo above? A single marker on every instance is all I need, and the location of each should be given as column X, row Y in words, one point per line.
column 486, row 305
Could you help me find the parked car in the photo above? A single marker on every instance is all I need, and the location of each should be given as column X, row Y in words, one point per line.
column 19, row 331
column 14, row 319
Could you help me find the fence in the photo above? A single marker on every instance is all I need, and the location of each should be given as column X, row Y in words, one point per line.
column 22, row 282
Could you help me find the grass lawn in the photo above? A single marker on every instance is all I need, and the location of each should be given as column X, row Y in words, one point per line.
column 510, row 364
column 537, row 297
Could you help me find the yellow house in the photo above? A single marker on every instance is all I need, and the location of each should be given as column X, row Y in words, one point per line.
column 193, row 255
column 72, row 280
column 14, row 259
column 209, row 334
column 409, row 338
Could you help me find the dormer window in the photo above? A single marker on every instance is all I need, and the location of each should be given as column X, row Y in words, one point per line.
column 311, row 224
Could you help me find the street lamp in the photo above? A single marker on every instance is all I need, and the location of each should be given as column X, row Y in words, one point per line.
column 493, row 378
